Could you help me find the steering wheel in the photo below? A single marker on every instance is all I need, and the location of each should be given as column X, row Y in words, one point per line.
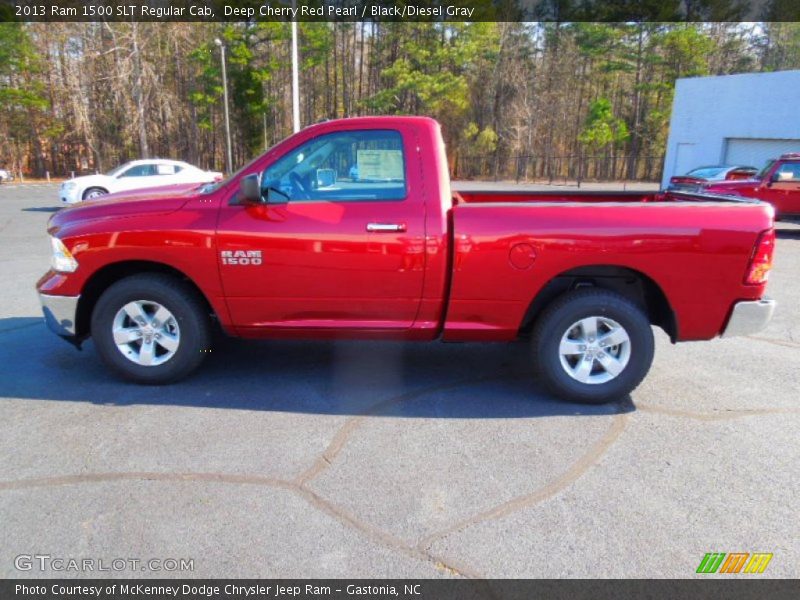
column 298, row 187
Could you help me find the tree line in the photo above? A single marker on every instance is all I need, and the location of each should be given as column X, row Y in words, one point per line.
column 516, row 100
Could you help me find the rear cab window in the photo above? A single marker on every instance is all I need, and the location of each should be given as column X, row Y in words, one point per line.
column 788, row 171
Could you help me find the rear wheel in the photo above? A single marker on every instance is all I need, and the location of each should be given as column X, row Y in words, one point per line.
column 151, row 328
column 592, row 346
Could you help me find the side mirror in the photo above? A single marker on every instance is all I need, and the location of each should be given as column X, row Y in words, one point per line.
column 326, row 177
column 250, row 189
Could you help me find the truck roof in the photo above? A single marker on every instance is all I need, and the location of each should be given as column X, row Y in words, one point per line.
column 145, row 161
column 376, row 121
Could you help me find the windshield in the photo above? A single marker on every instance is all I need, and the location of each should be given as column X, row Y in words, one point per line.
column 213, row 187
column 117, row 170
column 302, row 160
column 763, row 172
column 706, row 172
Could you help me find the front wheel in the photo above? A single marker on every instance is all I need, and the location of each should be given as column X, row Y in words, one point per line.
column 151, row 328
column 94, row 192
column 592, row 346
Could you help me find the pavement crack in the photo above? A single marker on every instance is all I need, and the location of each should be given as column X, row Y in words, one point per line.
column 311, row 497
column 724, row 415
column 59, row 480
column 785, row 343
column 345, row 432
column 383, row 537
column 572, row 474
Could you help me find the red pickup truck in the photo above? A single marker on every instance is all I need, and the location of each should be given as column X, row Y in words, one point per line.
column 778, row 183
column 349, row 228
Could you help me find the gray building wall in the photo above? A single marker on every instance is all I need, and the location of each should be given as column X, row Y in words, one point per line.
column 733, row 119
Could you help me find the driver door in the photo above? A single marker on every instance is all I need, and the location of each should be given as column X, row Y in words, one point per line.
column 340, row 243
column 784, row 189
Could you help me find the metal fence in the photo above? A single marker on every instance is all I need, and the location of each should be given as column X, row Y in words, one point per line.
column 575, row 168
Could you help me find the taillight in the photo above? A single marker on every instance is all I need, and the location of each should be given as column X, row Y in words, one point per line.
column 761, row 260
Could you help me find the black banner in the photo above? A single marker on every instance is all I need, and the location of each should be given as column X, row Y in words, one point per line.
column 714, row 587
column 401, row 10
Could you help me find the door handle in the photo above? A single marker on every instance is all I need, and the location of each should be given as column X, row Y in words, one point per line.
column 385, row 227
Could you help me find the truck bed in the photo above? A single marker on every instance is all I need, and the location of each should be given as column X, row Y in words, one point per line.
column 697, row 246
column 594, row 197
column 496, row 197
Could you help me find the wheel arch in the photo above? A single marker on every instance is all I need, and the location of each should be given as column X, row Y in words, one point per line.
column 631, row 283
column 111, row 273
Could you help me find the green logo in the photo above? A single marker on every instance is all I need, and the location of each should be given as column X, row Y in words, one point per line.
column 713, row 562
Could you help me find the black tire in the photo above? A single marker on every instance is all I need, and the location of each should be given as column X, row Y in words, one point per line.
column 557, row 319
column 98, row 191
column 179, row 299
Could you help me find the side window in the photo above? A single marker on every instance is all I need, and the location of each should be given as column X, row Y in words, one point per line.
column 139, row 171
column 165, row 169
column 345, row 166
column 788, row 172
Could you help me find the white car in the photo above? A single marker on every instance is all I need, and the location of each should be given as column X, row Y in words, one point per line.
column 5, row 176
column 134, row 175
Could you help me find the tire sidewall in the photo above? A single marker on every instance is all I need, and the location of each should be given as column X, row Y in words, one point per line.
column 624, row 312
column 193, row 333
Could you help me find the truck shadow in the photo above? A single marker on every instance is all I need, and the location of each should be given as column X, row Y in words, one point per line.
column 44, row 209
column 393, row 379
column 788, row 233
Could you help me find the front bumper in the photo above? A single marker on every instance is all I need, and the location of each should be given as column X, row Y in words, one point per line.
column 69, row 196
column 749, row 317
column 60, row 314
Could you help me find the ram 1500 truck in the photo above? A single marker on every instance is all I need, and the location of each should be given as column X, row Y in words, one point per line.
column 778, row 183
column 349, row 228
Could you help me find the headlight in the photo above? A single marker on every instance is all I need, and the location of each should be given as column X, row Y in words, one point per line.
column 68, row 185
column 62, row 260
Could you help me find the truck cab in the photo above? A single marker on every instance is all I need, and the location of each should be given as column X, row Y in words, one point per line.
column 778, row 183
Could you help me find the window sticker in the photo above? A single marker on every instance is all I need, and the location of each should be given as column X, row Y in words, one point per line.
column 382, row 165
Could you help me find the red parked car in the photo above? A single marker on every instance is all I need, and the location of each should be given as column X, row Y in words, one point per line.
column 778, row 183
column 295, row 246
column 695, row 178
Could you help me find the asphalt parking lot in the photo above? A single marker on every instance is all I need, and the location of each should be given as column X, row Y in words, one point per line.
column 353, row 459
